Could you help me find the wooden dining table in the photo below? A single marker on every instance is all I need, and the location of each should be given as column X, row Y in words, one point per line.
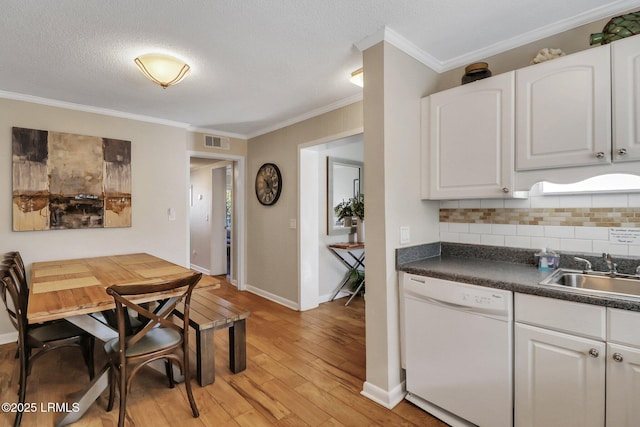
column 75, row 289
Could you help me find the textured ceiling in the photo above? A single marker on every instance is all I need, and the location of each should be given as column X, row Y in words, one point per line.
column 256, row 64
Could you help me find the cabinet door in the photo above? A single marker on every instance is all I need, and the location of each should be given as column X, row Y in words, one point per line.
column 623, row 386
column 559, row 379
column 563, row 110
column 625, row 56
column 470, row 140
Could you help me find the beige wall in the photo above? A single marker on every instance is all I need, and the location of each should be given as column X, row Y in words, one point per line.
column 159, row 182
column 272, row 248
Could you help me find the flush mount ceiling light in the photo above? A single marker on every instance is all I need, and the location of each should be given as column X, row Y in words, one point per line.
column 162, row 69
column 357, row 77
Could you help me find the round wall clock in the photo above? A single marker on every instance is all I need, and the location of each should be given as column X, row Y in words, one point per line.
column 268, row 184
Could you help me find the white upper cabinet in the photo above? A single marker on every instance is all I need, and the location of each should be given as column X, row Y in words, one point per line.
column 468, row 140
column 625, row 57
column 563, row 111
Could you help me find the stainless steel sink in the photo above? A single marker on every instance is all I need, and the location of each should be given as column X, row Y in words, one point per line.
column 618, row 284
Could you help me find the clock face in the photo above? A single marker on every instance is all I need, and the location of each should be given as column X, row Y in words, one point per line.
column 268, row 184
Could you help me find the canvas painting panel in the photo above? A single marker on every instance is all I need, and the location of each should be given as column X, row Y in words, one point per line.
column 68, row 181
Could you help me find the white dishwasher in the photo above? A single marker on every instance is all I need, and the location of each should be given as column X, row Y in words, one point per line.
column 458, row 350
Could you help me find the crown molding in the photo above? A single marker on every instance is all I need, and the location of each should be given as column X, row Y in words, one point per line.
column 113, row 113
column 89, row 109
column 308, row 115
column 610, row 10
column 390, row 36
column 214, row 132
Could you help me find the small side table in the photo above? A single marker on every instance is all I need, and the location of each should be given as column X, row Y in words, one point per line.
column 345, row 253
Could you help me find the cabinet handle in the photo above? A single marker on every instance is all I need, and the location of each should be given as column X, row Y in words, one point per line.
column 600, row 155
column 617, row 357
column 505, row 190
column 594, row 352
column 622, row 152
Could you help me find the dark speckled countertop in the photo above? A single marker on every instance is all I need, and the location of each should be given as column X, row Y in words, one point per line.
column 477, row 265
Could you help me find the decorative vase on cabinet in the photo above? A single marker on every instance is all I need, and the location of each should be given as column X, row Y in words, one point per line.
column 476, row 71
column 617, row 28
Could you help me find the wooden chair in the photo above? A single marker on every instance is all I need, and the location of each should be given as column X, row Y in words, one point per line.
column 160, row 338
column 43, row 337
column 15, row 259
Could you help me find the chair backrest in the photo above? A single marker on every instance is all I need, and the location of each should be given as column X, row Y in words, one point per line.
column 12, row 299
column 123, row 294
column 14, row 258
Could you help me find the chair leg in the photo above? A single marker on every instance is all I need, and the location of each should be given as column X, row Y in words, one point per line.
column 88, row 343
column 26, row 351
column 122, row 413
column 112, row 388
column 169, row 368
column 18, row 419
column 22, row 387
column 187, row 385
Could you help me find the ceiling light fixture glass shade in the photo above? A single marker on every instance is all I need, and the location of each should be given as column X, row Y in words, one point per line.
column 164, row 70
column 357, row 77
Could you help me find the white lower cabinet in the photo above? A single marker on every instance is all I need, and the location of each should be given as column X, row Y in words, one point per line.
column 623, row 368
column 559, row 363
column 623, row 386
column 559, row 379
column 575, row 364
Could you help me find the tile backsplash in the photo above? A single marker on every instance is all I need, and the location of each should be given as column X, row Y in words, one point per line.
column 572, row 223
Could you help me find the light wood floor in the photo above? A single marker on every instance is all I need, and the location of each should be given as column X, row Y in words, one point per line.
column 303, row 369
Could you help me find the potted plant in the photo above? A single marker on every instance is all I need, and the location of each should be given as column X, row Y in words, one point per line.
column 343, row 211
column 357, row 207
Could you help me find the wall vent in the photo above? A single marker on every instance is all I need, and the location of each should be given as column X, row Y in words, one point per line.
column 221, row 142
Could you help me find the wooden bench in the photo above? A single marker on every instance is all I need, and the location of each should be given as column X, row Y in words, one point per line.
column 209, row 313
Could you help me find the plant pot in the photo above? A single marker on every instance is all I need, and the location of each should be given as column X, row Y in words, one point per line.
column 360, row 231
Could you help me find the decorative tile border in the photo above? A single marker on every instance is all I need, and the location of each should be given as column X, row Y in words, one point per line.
column 576, row 217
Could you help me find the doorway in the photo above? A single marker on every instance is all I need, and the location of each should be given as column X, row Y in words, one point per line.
column 216, row 216
column 320, row 271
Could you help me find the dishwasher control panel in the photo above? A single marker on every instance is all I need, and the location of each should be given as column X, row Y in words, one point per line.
column 463, row 296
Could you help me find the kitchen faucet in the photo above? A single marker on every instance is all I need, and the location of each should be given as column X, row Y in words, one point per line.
column 587, row 265
column 612, row 266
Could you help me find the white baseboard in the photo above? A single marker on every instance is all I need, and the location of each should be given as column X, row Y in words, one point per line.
column 327, row 297
column 275, row 298
column 9, row 337
column 388, row 399
column 200, row 269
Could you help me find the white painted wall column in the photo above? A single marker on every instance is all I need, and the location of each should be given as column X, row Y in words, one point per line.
column 394, row 86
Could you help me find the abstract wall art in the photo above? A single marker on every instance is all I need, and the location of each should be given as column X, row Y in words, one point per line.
column 67, row 181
